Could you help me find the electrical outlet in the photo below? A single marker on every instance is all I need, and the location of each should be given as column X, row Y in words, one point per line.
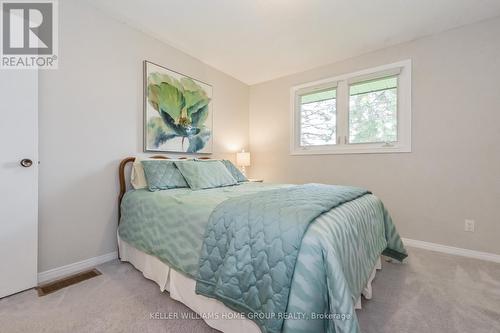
column 470, row 225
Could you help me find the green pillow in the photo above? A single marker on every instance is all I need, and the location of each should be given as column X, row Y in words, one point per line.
column 200, row 174
column 235, row 172
column 162, row 175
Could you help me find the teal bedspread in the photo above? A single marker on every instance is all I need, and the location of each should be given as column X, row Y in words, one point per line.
column 334, row 262
column 251, row 245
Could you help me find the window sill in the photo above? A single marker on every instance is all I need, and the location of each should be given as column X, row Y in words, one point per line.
column 351, row 149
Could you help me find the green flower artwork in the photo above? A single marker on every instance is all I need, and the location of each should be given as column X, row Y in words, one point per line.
column 178, row 115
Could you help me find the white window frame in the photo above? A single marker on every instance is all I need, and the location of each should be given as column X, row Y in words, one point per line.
column 402, row 69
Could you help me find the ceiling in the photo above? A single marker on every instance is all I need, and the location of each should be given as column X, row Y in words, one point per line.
column 259, row 40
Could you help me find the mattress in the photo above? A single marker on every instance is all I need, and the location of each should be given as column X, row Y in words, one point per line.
column 182, row 289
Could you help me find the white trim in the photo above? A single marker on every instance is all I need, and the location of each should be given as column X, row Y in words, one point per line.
column 319, row 87
column 59, row 272
column 343, row 77
column 352, row 149
column 404, row 68
column 393, row 71
column 452, row 250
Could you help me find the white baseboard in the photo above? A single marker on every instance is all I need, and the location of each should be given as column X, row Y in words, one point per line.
column 452, row 250
column 59, row 272
column 76, row 267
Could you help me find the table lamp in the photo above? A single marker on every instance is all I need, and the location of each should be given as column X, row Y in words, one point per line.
column 243, row 160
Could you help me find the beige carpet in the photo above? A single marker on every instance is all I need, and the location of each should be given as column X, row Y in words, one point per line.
column 432, row 293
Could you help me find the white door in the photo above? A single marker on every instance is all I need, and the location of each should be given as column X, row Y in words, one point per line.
column 18, row 180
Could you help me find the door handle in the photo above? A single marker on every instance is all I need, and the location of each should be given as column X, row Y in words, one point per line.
column 26, row 162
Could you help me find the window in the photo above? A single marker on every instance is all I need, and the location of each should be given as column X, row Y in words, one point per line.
column 318, row 122
column 363, row 112
column 373, row 107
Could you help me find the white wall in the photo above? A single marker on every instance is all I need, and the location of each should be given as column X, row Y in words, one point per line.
column 90, row 112
column 453, row 172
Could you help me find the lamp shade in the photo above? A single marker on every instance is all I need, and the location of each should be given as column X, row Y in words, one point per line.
column 243, row 159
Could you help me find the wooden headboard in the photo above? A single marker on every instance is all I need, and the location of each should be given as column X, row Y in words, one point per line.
column 125, row 180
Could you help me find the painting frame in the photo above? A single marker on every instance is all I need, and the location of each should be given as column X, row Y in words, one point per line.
column 200, row 134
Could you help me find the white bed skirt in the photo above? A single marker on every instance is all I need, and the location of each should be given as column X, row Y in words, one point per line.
column 182, row 289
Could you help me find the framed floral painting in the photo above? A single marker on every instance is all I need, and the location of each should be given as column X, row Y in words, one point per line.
column 177, row 112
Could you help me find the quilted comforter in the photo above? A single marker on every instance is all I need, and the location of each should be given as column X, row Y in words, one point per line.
column 251, row 246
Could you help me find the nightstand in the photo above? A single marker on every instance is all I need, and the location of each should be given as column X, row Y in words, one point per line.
column 251, row 180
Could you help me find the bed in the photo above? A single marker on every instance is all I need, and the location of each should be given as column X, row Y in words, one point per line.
column 166, row 235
